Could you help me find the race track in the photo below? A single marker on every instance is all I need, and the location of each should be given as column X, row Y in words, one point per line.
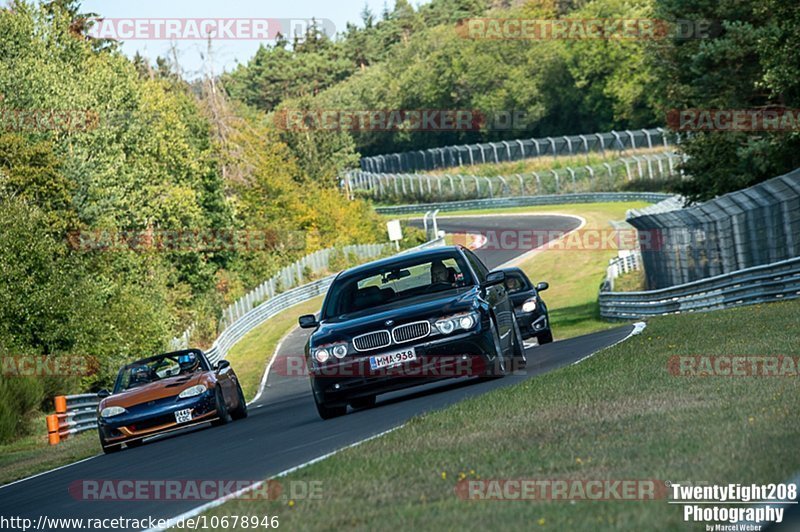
column 283, row 429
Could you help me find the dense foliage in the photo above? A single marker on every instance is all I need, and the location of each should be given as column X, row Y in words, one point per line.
column 142, row 152
column 420, row 59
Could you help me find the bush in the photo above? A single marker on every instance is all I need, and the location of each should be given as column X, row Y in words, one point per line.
column 19, row 401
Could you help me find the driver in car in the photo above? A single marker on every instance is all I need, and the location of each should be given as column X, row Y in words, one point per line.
column 440, row 274
column 189, row 363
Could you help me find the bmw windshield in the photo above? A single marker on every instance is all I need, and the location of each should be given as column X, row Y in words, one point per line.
column 395, row 282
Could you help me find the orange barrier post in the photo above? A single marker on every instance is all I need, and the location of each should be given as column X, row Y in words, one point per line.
column 61, row 404
column 52, row 429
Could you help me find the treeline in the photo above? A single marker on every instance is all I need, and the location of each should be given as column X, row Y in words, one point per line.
column 95, row 147
column 708, row 55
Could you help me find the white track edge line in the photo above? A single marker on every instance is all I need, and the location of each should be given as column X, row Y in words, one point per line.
column 638, row 327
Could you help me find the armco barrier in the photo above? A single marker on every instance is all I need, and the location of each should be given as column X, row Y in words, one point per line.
column 74, row 414
column 778, row 281
column 602, row 177
column 514, row 150
column 78, row 413
column 525, row 201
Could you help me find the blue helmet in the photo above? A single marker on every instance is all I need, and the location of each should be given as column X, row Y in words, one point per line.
column 188, row 362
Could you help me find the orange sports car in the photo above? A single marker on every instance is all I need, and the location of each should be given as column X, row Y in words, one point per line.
column 165, row 393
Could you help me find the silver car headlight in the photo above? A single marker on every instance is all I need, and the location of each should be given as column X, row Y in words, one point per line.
column 339, row 350
column 322, row 355
column 463, row 322
column 193, row 391
column 112, row 411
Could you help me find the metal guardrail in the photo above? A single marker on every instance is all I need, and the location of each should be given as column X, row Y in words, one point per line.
column 514, row 150
column 525, row 201
column 778, row 281
column 74, row 414
column 292, row 276
column 606, row 176
column 78, row 413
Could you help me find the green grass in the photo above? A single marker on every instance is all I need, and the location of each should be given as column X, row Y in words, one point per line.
column 32, row 454
column 617, row 415
column 630, row 282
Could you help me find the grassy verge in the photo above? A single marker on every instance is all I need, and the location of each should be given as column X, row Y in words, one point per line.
column 617, row 415
column 630, row 282
column 32, row 454
column 250, row 356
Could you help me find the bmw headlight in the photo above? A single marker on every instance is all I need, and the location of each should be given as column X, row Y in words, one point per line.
column 463, row 322
column 529, row 305
column 322, row 355
column 339, row 351
column 193, row 391
column 112, row 411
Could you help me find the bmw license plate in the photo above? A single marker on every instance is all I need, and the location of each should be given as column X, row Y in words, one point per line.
column 182, row 416
column 390, row 360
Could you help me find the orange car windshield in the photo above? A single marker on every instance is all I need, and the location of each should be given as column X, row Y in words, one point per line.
column 151, row 370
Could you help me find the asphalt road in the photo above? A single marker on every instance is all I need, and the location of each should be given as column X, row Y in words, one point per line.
column 283, row 429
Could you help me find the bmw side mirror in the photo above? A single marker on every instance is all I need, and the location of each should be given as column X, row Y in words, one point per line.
column 541, row 287
column 222, row 364
column 102, row 394
column 309, row 321
column 495, row 278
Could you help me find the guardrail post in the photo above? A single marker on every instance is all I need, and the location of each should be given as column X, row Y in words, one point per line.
column 60, row 404
column 536, row 144
column 53, row 437
column 633, row 139
column 505, row 189
column 521, row 184
column 553, row 147
column 649, row 140
column 618, row 140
